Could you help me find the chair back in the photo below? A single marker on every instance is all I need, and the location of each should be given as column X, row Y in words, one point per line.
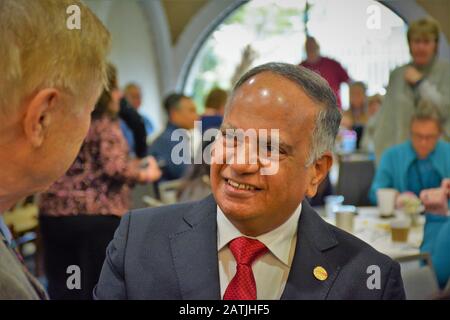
column 354, row 180
column 419, row 277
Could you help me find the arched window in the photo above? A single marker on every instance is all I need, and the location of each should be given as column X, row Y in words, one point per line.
column 365, row 36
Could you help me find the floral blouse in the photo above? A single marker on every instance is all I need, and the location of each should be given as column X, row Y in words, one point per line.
column 99, row 181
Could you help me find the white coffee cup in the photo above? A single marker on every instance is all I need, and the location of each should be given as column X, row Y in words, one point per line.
column 345, row 220
column 386, row 201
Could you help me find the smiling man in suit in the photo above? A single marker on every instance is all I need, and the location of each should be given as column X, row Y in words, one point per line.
column 256, row 237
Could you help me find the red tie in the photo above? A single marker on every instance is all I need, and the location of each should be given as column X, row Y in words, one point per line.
column 245, row 251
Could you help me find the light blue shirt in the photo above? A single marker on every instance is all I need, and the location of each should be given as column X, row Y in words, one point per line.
column 128, row 135
column 395, row 163
column 422, row 175
column 436, row 241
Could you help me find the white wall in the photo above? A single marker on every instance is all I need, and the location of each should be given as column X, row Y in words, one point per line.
column 133, row 51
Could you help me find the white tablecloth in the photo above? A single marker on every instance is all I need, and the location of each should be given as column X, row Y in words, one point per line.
column 369, row 227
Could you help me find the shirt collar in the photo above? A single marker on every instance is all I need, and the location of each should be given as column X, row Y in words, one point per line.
column 171, row 126
column 278, row 241
column 5, row 232
column 413, row 154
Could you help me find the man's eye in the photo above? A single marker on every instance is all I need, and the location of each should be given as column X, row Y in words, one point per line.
column 273, row 149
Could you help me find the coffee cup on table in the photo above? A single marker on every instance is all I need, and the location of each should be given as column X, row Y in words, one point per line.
column 345, row 217
column 386, row 201
column 400, row 230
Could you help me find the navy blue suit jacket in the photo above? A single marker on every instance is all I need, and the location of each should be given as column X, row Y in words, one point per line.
column 170, row 252
column 162, row 148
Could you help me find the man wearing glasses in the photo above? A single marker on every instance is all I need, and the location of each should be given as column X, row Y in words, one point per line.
column 420, row 163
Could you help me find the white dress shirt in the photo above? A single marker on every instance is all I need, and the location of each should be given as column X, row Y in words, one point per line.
column 271, row 271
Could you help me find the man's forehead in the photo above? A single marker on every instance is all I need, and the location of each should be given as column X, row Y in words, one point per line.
column 265, row 79
column 133, row 90
column 274, row 97
column 269, row 86
column 425, row 125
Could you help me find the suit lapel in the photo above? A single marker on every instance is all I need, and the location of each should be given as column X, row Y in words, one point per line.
column 313, row 239
column 194, row 252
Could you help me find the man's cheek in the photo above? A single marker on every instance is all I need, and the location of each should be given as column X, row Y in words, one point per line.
column 215, row 174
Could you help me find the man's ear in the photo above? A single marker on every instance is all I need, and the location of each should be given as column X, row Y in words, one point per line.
column 38, row 115
column 319, row 171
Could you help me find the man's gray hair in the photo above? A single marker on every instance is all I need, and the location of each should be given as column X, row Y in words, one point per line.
column 315, row 87
column 426, row 110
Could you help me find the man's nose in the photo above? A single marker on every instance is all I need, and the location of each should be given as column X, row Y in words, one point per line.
column 245, row 160
column 245, row 168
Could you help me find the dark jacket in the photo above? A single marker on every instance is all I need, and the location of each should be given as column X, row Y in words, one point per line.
column 135, row 122
column 170, row 252
column 162, row 149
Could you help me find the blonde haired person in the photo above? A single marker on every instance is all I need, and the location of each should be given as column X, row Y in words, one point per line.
column 424, row 78
column 81, row 210
column 50, row 79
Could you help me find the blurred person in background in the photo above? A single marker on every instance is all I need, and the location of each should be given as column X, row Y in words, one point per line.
column 328, row 68
column 214, row 109
column 436, row 239
column 196, row 185
column 358, row 103
column 133, row 95
column 133, row 129
column 80, row 211
column 50, row 79
column 358, row 109
column 182, row 114
column 424, row 78
column 373, row 105
column 420, row 163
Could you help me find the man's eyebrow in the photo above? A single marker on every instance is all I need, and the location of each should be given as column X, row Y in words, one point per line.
column 282, row 145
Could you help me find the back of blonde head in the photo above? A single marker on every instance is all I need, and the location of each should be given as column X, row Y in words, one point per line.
column 37, row 50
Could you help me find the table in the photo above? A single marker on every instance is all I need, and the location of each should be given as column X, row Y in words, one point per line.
column 369, row 227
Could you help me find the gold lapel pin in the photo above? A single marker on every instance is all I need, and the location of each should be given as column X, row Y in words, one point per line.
column 320, row 273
